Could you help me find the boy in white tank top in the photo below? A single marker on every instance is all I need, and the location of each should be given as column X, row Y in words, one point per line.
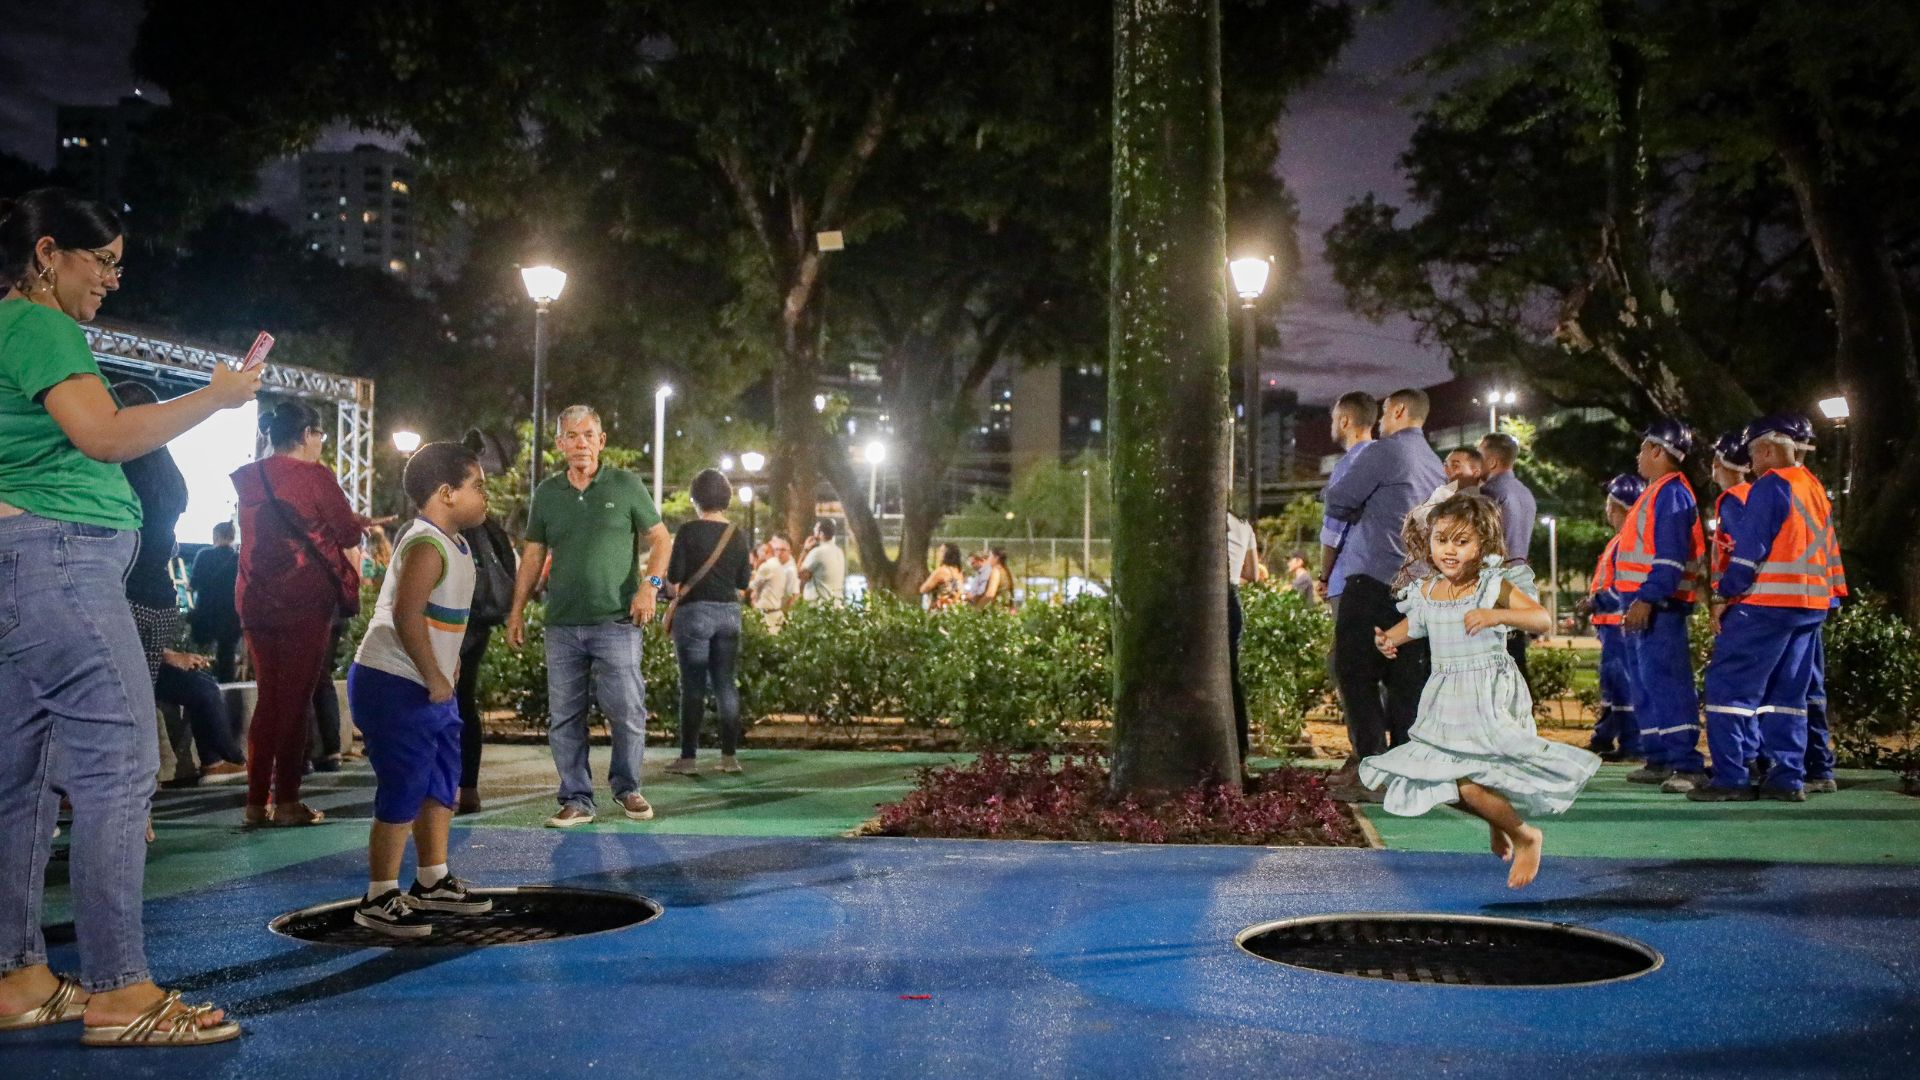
column 401, row 691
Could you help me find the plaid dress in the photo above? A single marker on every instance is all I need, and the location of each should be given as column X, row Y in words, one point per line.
column 1476, row 718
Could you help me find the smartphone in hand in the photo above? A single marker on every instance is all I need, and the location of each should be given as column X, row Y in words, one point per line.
column 257, row 355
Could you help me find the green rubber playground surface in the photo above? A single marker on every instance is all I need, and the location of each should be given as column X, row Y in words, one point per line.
column 824, row 793
column 1867, row 821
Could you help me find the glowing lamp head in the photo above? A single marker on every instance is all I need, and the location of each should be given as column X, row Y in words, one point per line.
column 876, row 452
column 406, row 441
column 753, row 461
column 663, row 393
column 1250, row 277
column 1835, row 408
column 746, row 494
column 543, row 283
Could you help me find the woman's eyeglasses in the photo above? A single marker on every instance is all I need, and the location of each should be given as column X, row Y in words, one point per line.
column 109, row 263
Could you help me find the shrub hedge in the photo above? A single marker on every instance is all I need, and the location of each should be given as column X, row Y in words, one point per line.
column 1023, row 680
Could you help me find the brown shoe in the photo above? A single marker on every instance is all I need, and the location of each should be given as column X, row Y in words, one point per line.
column 569, row 817
column 256, row 816
column 637, row 808
column 221, row 771
column 469, row 802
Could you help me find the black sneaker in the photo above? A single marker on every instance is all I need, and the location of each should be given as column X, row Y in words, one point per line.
column 390, row 914
column 450, row 894
column 1709, row 793
column 1781, row 794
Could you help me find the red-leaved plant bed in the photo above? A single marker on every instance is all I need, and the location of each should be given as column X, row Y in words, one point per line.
column 1066, row 798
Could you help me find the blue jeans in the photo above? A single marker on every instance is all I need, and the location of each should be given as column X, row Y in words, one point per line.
column 608, row 655
column 77, row 702
column 706, row 641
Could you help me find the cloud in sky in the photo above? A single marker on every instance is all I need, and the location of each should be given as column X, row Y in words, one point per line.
column 74, row 52
column 1341, row 139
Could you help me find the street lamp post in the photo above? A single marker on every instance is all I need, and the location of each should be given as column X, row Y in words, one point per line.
column 876, row 453
column 406, row 441
column 751, row 462
column 1839, row 411
column 1086, row 523
column 660, row 397
column 1553, row 572
column 1494, row 400
column 1250, row 281
column 543, row 288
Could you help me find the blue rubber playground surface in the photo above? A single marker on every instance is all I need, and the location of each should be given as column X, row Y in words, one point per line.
column 784, row 955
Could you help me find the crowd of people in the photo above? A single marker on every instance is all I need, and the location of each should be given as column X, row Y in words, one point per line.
column 1425, row 562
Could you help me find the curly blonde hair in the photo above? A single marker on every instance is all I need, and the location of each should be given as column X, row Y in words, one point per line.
column 1476, row 512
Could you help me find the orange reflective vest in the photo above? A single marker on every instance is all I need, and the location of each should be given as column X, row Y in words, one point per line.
column 1722, row 539
column 1802, row 570
column 1603, row 575
column 1635, row 558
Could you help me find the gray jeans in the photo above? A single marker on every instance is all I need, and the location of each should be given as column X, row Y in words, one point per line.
column 607, row 658
column 78, row 708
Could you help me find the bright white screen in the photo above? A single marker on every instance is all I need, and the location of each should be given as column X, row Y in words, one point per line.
column 207, row 456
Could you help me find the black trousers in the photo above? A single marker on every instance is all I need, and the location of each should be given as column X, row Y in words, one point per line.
column 1236, row 621
column 1381, row 696
column 226, row 655
column 1517, row 648
column 473, row 647
column 324, row 736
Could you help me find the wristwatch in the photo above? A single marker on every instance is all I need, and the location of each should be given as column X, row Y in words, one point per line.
column 656, row 581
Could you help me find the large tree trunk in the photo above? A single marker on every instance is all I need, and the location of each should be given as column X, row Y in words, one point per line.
column 798, row 436
column 1173, row 712
column 1875, row 361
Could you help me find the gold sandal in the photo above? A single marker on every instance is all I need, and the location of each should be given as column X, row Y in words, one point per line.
column 296, row 816
column 144, row 1030
column 59, row 1008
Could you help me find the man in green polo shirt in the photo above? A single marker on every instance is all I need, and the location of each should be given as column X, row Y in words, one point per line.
column 600, row 526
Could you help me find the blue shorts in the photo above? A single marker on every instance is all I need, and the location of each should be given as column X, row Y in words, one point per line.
column 412, row 743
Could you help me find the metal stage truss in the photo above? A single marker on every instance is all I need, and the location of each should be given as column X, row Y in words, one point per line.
column 352, row 397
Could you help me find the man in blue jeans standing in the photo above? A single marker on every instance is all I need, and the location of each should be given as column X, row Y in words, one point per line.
column 609, row 550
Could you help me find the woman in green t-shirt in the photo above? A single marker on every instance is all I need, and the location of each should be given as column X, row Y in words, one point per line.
column 73, row 678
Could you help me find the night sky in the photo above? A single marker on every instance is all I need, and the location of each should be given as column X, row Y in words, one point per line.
column 1339, row 141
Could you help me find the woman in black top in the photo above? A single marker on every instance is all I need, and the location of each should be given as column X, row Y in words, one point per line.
column 706, row 621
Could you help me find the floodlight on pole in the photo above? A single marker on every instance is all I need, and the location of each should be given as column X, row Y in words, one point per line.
column 753, row 461
column 660, row 397
column 543, row 283
column 406, row 441
column 1835, row 409
column 726, row 463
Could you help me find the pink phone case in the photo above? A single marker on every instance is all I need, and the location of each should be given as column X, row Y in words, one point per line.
column 257, row 355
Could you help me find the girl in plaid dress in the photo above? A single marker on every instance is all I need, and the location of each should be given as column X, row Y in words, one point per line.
column 1474, row 742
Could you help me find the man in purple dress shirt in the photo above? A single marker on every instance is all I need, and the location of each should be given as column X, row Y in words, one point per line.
column 1517, row 512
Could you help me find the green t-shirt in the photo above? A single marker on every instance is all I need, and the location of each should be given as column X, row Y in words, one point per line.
column 41, row 471
column 594, row 535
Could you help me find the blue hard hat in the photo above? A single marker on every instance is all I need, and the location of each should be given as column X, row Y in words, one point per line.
column 1731, row 450
column 1625, row 489
column 1794, row 426
column 1674, row 436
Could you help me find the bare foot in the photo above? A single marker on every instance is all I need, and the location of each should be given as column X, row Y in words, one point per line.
column 1500, row 844
column 23, row 990
column 1527, row 842
column 114, row 1007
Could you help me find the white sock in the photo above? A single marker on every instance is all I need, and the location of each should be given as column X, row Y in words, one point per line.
column 430, row 875
column 376, row 889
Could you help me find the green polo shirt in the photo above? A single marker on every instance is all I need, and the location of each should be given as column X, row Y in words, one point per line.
column 594, row 535
column 41, row 471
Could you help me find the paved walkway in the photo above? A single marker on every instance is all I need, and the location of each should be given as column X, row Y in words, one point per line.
column 785, row 950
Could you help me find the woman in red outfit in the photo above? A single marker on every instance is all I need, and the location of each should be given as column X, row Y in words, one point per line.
column 299, row 568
